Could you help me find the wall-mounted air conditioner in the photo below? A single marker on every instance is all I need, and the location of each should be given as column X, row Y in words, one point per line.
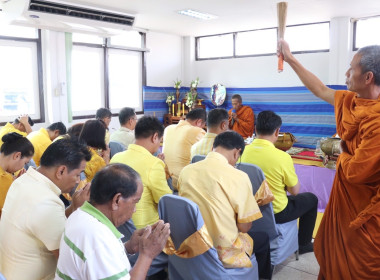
column 65, row 16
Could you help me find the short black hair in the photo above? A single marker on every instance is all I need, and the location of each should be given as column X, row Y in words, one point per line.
column 75, row 129
column 66, row 152
column 126, row 114
column 267, row 122
column 147, row 126
column 216, row 116
column 113, row 179
column 238, row 97
column 93, row 133
column 30, row 121
column 102, row 113
column 58, row 126
column 14, row 142
column 196, row 114
column 229, row 140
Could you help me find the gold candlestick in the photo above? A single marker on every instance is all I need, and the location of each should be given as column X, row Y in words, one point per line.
column 173, row 110
column 178, row 109
column 183, row 109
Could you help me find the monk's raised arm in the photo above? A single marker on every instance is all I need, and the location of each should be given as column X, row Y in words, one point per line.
column 312, row 82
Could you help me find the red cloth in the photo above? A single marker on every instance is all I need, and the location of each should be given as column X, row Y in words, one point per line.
column 245, row 123
column 347, row 245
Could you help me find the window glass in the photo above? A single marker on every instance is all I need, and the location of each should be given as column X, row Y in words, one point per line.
column 19, row 87
column 87, row 80
column 125, row 79
column 87, row 38
column 256, row 42
column 19, row 31
column 366, row 29
column 309, row 37
column 216, row 46
column 127, row 39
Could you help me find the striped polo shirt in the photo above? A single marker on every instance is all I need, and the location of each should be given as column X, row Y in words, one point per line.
column 91, row 248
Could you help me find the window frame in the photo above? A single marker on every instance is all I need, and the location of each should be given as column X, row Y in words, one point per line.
column 252, row 55
column 106, row 46
column 38, row 42
column 354, row 30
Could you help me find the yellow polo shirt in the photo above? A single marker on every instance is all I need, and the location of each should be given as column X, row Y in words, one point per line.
column 6, row 180
column 152, row 172
column 8, row 128
column 178, row 139
column 277, row 166
column 224, row 196
column 94, row 165
column 203, row 146
column 40, row 140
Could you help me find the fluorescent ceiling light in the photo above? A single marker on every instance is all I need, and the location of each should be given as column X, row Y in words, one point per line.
column 196, row 14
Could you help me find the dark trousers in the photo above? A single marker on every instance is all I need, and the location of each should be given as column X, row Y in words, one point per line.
column 303, row 206
column 262, row 252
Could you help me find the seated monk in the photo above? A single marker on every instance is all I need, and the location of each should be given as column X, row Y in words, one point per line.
column 241, row 118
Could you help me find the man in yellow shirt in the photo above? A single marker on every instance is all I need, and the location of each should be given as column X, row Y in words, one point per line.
column 225, row 198
column 280, row 174
column 42, row 138
column 21, row 125
column 217, row 122
column 139, row 156
column 178, row 139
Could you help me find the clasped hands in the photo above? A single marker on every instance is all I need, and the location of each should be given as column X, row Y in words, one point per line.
column 149, row 241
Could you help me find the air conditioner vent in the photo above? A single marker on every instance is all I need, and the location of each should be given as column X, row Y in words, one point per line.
column 79, row 12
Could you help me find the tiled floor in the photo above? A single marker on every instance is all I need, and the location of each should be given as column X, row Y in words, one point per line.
column 306, row 268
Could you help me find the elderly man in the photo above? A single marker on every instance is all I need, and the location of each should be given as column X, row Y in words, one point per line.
column 125, row 135
column 139, row 156
column 21, row 125
column 91, row 247
column 42, row 138
column 34, row 217
column 225, row 199
column 347, row 245
column 217, row 122
column 242, row 118
column 279, row 171
column 178, row 139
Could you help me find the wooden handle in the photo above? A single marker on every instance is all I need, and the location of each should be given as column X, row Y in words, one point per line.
column 280, row 63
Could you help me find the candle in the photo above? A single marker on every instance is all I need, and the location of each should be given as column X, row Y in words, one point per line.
column 173, row 109
column 183, row 109
column 178, row 109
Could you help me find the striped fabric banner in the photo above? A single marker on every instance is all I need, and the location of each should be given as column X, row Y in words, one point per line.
column 304, row 115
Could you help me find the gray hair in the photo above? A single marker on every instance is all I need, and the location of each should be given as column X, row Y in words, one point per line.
column 370, row 61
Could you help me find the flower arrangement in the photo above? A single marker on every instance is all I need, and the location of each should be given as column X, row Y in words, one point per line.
column 170, row 98
column 177, row 84
column 194, row 84
column 191, row 98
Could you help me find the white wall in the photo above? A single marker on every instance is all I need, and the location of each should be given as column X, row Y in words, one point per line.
column 164, row 60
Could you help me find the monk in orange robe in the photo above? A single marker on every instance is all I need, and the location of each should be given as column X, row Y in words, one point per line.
column 241, row 118
column 347, row 245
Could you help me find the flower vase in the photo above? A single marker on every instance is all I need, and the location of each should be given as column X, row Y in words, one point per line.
column 177, row 94
column 170, row 111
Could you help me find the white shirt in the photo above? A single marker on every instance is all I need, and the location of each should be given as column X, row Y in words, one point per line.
column 91, row 248
column 31, row 226
column 124, row 136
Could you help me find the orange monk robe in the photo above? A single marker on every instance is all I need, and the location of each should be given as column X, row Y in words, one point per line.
column 347, row 245
column 245, row 123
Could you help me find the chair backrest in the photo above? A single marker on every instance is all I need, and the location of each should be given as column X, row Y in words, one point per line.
column 267, row 222
column 183, row 215
column 197, row 158
column 115, row 147
column 185, row 218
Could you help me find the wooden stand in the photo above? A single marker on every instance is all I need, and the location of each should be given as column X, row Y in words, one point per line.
column 169, row 119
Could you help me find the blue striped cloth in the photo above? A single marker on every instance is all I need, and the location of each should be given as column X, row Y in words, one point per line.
column 304, row 115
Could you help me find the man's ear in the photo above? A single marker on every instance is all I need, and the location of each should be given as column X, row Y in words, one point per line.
column 155, row 137
column 369, row 77
column 115, row 201
column 224, row 125
column 277, row 132
column 60, row 171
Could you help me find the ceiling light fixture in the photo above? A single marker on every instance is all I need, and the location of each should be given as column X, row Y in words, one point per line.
column 196, row 14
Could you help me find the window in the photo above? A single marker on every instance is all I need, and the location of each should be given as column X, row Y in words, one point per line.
column 20, row 74
column 107, row 73
column 315, row 37
column 365, row 31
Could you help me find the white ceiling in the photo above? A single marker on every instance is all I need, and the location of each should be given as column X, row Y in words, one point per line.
column 233, row 15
